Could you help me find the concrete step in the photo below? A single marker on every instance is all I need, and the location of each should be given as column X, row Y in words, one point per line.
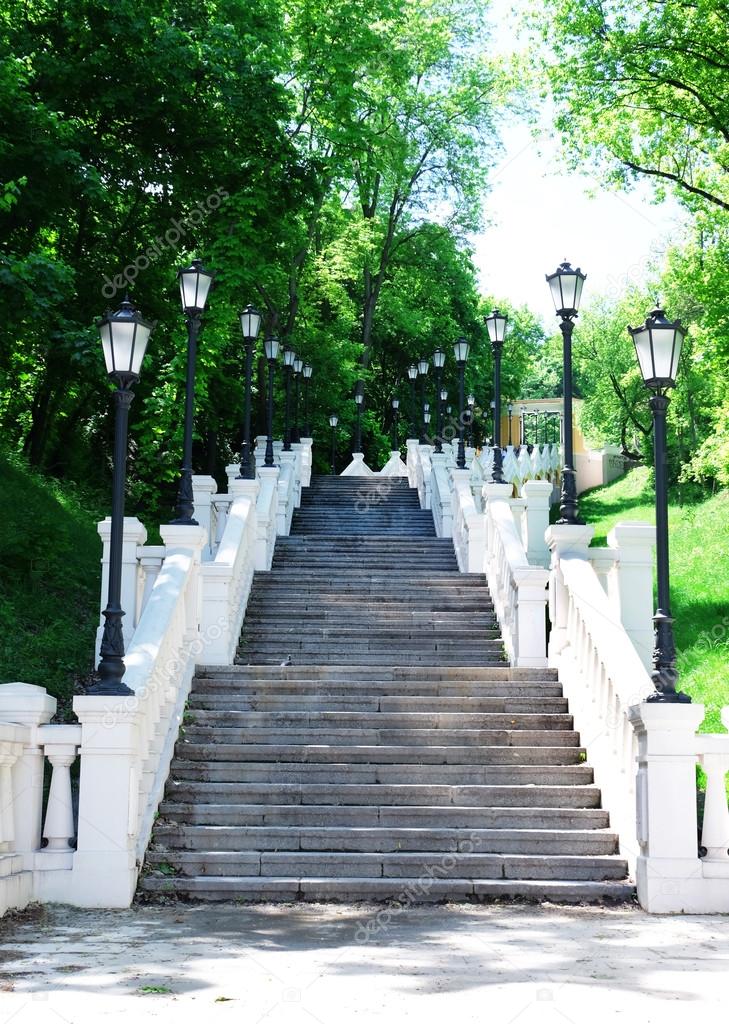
column 308, row 864
column 365, row 657
column 494, row 830
column 354, row 702
column 230, row 739
column 382, row 753
column 461, row 675
column 221, row 722
column 315, row 636
column 221, row 693
column 341, row 773
column 256, row 889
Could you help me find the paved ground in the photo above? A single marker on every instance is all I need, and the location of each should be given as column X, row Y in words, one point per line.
column 334, row 964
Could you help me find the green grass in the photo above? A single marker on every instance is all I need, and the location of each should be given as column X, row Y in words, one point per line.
column 49, row 581
column 699, row 547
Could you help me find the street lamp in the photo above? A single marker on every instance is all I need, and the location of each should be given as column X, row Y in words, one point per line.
column 359, row 400
column 250, row 323
column 395, row 417
column 412, row 376
column 333, row 420
column 298, row 368
column 271, row 347
column 308, row 370
column 658, row 347
column 289, row 358
column 509, row 411
column 194, row 284
column 423, row 365
column 439, row 358
column 566, row 286
column 124, row 336
column 496, row 325
column 460, row 351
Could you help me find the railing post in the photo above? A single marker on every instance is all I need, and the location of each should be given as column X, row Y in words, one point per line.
column 492, row 492
column 134, row 537
column 203, row 489
column 630, row 583
column 538, row 494
column 714, row 760
column 31, row 706
column 266, row 515
column 562, row 540
column 531, row 633
column 105, row 868
column 306, row 458
column 668, row 865
column 412, row 445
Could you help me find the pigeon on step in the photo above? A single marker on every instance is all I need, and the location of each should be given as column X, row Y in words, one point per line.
column 287, row 662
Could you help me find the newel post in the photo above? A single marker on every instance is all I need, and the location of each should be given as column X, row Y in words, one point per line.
column 630, row 584
column 668, row 867
column 531, row 633
column 134, row 537
column 538, row 494
column 564, row 540
column 203, row 489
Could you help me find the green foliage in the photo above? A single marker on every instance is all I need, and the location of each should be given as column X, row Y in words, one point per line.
column 699, row 547
column 49, row 587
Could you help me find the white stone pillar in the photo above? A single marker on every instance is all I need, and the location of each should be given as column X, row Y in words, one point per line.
column 190, row 540
column 306, row 460
column 630, row 583
column 104, row 866
column 31, row 706
column 536, row 521
column 135, row 536
column 412, row 445
column 266, row 515
column 531, row 633
column 203, row 489
column 668, row 866
column 563, row 539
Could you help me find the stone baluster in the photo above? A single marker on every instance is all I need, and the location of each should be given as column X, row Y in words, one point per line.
column 60, row 744
column 714, row 760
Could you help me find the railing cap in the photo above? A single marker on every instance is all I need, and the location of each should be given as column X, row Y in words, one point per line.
column 26, row 704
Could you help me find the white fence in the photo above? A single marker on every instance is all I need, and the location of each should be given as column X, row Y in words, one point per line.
column 185, row 601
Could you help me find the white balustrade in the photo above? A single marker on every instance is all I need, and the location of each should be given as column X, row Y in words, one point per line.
column 185, row 602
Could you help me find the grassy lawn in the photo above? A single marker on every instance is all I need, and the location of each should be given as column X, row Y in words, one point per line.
column 49, row 582
column 699, row 544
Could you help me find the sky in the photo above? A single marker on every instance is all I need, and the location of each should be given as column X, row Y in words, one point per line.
column 538, row 214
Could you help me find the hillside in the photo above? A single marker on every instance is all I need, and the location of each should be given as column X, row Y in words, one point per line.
column 49, row 581
column 699, row 545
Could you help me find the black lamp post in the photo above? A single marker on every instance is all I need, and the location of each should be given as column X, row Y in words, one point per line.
column 194, row 287
column 308, row 370
column 658, row 347
column 423, row 371
column 471, row 402
column 395, row 417
column 460, row 351
column 271, row 347
column 298, row 369
column 333, row 420
column 523, row 428
column 359, row 400
column 566, row 285
column 509, row 411
column 412, row 377
column 250, row 323
column 496, row 324
column 289, row 357
column 492, row 407
column 124, row 337
column 439, row 358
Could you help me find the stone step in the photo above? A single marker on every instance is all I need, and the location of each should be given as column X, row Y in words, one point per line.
column 191, row 789
column 256, row 889
column 260, row 614
column 468, row 675
column 415, row 721
column 367, row 753
column 223, row 693
column 315, row 636
column 379, row 644
column 230, row 739
column 309, row 864
column 367, row 657
column 549, row 831
column 576, row 794
column 265, row 702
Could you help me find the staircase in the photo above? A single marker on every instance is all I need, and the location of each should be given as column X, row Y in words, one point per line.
column 371, row 742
